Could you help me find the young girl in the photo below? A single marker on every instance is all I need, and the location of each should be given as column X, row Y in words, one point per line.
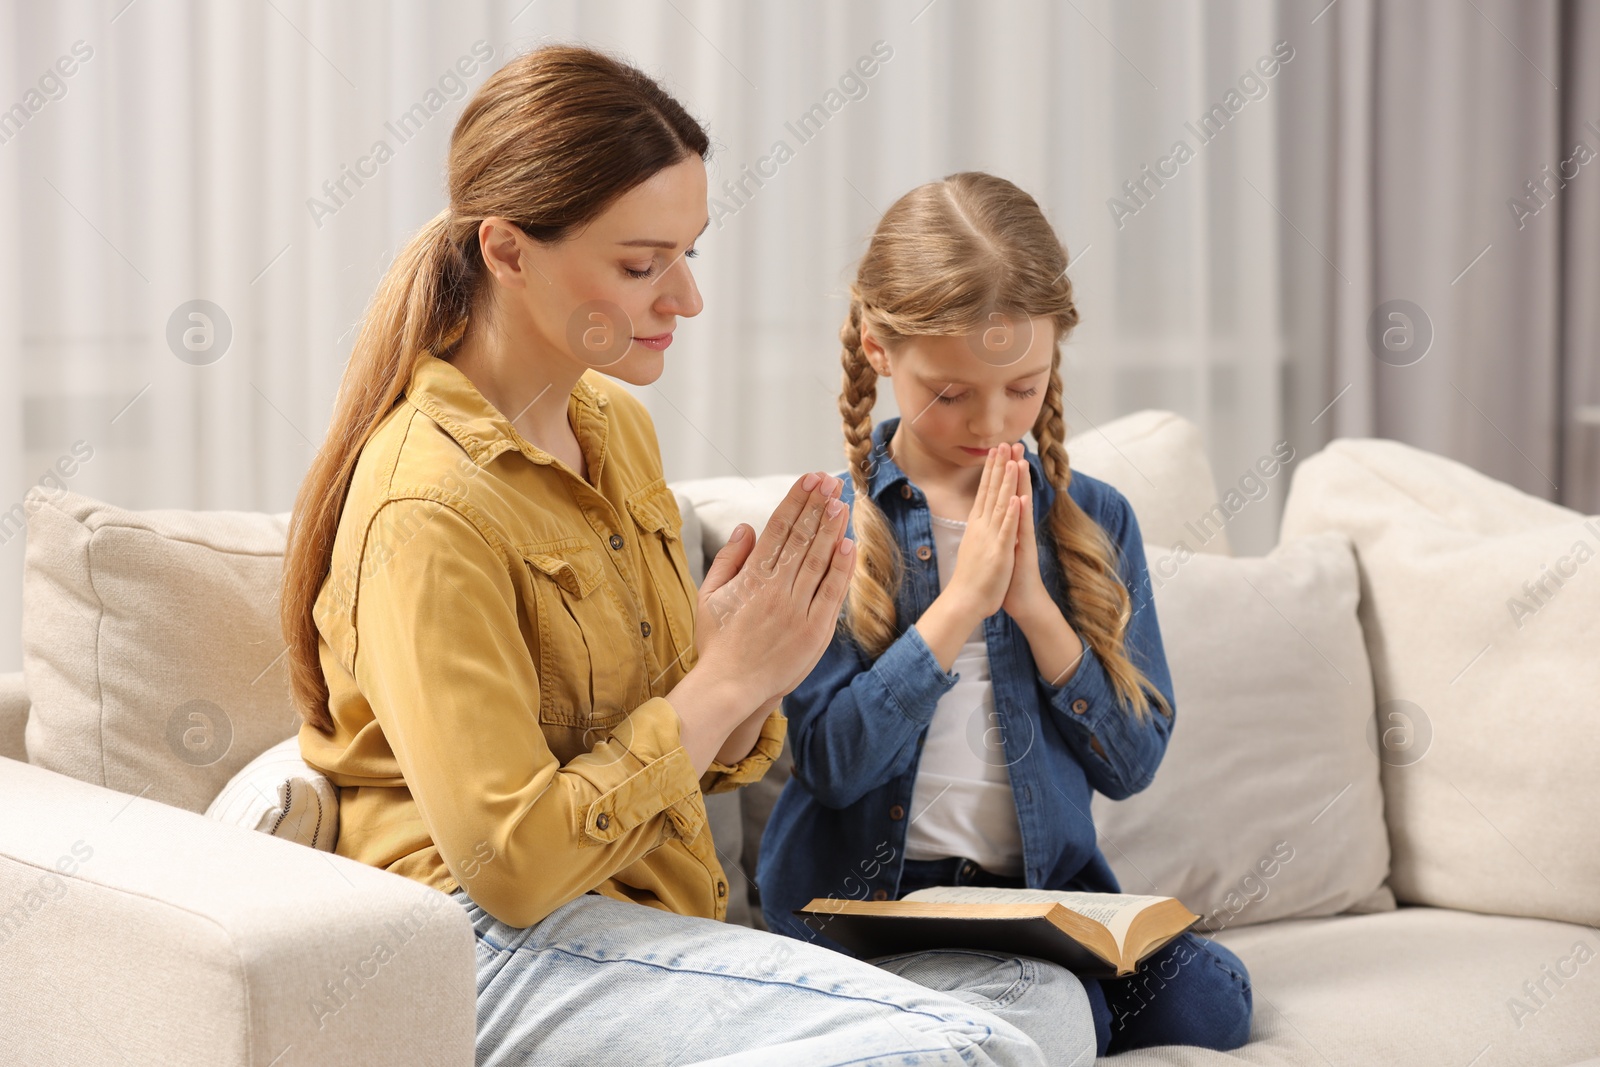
column 998, row 655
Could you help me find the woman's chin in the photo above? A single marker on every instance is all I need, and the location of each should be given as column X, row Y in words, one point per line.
column 639, row 366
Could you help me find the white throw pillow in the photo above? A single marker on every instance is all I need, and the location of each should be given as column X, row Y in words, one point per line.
column 277, row 793
column 1481, row 609
column 1267, row 804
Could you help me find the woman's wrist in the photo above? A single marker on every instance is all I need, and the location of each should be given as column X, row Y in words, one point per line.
column 711, row 707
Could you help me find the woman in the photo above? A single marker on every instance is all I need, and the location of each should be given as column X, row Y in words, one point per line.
column 499, row 653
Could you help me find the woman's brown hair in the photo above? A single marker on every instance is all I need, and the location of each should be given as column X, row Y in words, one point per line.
column 943, row 259
column 549, row 140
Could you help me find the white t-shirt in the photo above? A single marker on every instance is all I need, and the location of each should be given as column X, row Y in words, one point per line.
column 961, row 803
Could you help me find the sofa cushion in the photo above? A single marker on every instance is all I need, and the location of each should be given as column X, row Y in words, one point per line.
column 1425, row 987
column 14, row 716
column 151, row 645
column 1479, row 605
column 278, row 793
column 1158, row 461
column 1267, row 803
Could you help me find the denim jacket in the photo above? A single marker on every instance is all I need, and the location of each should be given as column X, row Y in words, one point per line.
column 857, row 726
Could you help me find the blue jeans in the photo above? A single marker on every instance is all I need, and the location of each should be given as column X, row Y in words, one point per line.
column 603, row 981
column 1191, row 991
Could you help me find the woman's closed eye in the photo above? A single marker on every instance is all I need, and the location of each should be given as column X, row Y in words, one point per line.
column 651, row 269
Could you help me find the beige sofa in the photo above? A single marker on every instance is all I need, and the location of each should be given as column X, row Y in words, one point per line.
column 1369, row 701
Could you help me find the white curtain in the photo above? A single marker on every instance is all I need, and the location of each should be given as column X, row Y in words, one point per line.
column 183, row 157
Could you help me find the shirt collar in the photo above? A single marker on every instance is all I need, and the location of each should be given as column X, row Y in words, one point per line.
column 447, row 396
column 886, row 474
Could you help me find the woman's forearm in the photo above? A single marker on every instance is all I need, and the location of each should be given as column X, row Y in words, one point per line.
column 744, row 736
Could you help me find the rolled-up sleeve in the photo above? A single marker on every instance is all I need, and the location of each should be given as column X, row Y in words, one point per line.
column 453, row 685
column 722, row 777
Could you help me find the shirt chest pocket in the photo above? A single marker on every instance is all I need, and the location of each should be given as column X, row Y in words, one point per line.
column 659, row 527
column 586, row 653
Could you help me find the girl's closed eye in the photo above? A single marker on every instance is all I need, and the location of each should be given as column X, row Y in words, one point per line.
column 651, row 269
column 1020, row 394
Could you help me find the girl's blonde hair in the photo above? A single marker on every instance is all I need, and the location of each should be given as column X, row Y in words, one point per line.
column 946, row 257
column 548, row 141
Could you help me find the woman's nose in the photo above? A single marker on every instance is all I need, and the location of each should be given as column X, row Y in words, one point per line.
column 680, row 295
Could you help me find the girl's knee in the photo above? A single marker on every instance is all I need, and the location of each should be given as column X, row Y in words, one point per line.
column 1234, row 1006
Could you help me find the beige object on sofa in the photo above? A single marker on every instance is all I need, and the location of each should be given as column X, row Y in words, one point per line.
column 137, row 930
column 151, row 646
column 1274, row 694
column 1481, row 608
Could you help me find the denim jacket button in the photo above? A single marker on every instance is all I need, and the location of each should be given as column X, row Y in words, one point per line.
column 880, row 894
column 897, row 813
column 923, row 552
column 1079, row 706
column 905, row 491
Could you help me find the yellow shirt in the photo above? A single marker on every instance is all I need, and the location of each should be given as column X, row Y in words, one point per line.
column 497, row 634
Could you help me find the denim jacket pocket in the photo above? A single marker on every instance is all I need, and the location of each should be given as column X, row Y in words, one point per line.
column 576, row 623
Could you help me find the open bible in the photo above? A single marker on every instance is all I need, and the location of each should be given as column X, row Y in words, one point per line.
column 1100, row 935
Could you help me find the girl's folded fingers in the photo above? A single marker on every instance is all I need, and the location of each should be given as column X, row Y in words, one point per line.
column 989, row 493
column 983, row 487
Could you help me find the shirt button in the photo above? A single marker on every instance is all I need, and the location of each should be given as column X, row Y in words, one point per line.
column 602, row 821
column 616, row 541
column 923, row 552
column 722, row 889
column 1080, row 706
column 905, row 491
column 880, row 894
column 644, row 628
column 897, row 813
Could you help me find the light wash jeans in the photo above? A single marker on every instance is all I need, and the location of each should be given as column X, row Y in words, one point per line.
column 600, row 981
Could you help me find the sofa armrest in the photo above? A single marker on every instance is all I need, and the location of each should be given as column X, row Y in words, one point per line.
column 137, row 932
column 13, row 716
